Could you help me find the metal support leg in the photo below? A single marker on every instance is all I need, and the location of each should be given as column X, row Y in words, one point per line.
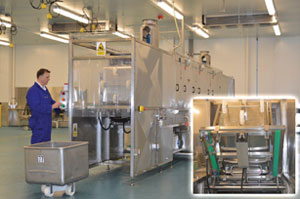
column 277, row 183
column 132, row 184
column 160, row 169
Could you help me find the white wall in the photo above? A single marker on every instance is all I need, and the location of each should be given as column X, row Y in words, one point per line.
column 29, row 59
column 278, row 63
column 4, row 73
column 279, row 66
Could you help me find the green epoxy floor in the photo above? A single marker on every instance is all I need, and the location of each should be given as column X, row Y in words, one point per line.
column 171, row 183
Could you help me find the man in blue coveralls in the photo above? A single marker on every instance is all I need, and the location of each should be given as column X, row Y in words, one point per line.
column 41, row 105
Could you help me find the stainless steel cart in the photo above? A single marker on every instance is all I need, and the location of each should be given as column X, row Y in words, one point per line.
column 56, row 165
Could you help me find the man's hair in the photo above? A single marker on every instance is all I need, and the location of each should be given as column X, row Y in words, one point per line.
column 41, row 72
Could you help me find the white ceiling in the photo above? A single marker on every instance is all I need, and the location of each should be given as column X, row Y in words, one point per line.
column 130, row 13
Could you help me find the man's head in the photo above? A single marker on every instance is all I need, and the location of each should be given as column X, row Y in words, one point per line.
column 43, row 76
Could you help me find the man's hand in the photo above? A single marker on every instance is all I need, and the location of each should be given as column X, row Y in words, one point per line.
column 56, row 105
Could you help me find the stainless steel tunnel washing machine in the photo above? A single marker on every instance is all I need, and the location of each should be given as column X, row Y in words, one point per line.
column 135, row 98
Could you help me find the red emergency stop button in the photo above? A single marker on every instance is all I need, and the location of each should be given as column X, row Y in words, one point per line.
column 187, row 124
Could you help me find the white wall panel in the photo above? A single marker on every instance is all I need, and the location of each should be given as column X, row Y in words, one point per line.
column 4, row 73
column 29, row 59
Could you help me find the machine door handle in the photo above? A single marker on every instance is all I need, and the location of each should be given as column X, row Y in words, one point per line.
column 177, row 87
column 193, row 89
column 199, row 90
column 184, row 88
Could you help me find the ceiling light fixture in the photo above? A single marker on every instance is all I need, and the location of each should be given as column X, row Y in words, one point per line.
column 120, row 34
column 196, row 111
column 70, row 14
column 199, row 31
column 4, row 43
column 274, row 19
column 276, row 29
column 270, row 7
column 5, row 23
column 54, row 37
column 166, row 7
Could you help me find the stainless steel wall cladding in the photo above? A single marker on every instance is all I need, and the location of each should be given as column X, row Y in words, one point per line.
column 111, row 88
column 56, row 163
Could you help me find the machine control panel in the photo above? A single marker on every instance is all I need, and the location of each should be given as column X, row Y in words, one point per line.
column 63, row 97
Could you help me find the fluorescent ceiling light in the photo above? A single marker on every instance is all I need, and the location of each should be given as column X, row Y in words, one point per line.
column 7, row 24
column 200, row 31
column 196, row 111
column 274, row 19
column 270, row 7
column 53, row 37
column 4, row 43
column 120, row 34
column 276, row 30
column 70, row 14
column 166, row 7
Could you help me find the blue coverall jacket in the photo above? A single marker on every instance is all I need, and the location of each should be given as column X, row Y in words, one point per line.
column 40, row 104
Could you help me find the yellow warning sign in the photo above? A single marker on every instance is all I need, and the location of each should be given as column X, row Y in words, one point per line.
column 101, row 48
column 75, row 133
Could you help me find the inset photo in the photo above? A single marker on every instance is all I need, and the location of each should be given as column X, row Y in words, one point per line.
column 244, row 146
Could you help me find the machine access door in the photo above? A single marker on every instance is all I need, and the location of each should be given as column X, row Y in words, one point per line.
column 151, row 141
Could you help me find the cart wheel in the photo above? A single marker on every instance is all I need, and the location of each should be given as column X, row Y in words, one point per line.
column 70, row 190
column 47, row 191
